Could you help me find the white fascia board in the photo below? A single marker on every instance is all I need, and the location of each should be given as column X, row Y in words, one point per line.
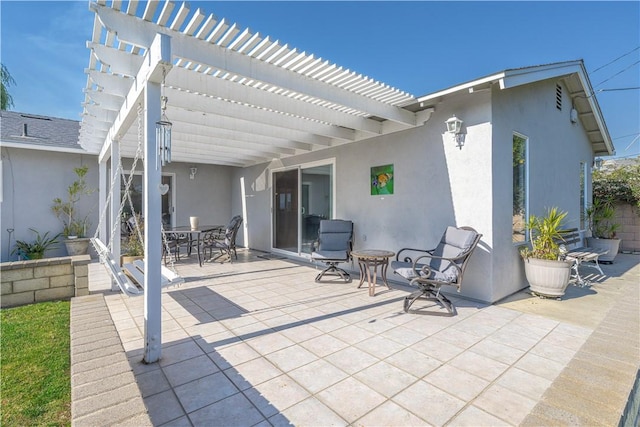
column 47, row 148
column 462, row 87
column 514, row 78
column 157, row 62
column 597, row 113
column 140, row 33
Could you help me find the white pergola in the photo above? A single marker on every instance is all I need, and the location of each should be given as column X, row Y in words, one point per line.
column 235, row 97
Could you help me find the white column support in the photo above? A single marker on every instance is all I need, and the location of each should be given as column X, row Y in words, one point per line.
column 152, row 228
column 102, row 199
column 150, row 79
column 114, row 227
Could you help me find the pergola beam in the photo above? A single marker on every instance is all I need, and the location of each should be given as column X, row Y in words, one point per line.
column 157, row 62
column 141, row 33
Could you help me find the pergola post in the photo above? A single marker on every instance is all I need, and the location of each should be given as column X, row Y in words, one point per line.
column 160, row 54
column 115, row 207
column 102, row 197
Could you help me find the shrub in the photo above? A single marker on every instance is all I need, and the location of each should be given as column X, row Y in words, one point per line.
column 621, row 184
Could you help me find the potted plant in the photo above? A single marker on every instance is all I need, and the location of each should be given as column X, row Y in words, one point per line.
column 37, row 248
column 133, row 247
column 547, row 274
column 74, row 225
column 603, row 227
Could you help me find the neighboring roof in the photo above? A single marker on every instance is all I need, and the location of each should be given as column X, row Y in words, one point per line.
column 235, row 97
column 577, row 82
column 25, row 130
column 612, row 164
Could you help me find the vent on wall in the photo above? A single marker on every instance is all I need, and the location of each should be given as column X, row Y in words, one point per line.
column 559, row 97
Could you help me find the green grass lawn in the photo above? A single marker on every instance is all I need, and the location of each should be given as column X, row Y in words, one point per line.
column 35, row 365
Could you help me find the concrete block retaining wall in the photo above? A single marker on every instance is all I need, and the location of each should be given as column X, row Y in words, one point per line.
column 629, row 219
column 49, row 279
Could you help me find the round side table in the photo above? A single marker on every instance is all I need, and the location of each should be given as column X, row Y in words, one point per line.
column 368, row 261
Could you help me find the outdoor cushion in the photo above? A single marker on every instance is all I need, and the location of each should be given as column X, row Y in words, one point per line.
column 405, row 269
column 335, row 235
column 454, row 242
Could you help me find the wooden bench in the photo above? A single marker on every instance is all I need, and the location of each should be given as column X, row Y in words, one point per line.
column 579, row 254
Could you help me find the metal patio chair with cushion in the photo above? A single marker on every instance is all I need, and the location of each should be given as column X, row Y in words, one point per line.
column 223, row 240
column 171, row 244
column 429, row 270
column 333, row 246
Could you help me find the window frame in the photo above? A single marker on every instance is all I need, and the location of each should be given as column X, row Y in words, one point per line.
column 525, row 195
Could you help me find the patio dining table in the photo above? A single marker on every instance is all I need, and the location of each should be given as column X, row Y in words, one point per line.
column 193, row 235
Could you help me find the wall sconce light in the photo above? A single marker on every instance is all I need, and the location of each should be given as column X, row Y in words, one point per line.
column 194, row 170
column 454, row 127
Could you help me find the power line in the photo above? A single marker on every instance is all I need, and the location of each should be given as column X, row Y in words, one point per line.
column 618, row 73
column 619, row 88
column 634, row 140
column 618, row 58
column 626, row 136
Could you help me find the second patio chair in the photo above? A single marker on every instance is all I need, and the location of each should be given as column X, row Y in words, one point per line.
column 429, row 270
column 333, row 246
column 223, row 240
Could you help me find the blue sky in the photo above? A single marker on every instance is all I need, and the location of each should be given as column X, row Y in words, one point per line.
column 419, row 47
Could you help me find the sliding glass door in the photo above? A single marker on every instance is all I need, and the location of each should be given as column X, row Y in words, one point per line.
column 301, row 198
column 285, row 210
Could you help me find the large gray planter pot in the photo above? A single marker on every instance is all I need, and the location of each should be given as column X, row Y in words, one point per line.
column 77, row 246
column 547, row 277
column 612, row 245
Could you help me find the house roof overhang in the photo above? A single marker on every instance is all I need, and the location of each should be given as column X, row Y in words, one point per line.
column 235, row 97
column 576, row 79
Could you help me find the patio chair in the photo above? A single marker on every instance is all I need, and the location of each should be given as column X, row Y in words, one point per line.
column 333, row 246
column 172, row 245
column 223, row 240
column 429, row 270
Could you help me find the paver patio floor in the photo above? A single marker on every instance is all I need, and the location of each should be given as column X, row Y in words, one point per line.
column 259, row 342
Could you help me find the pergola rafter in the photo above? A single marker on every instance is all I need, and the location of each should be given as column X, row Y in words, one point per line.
column 229, row 87
column 235, row 98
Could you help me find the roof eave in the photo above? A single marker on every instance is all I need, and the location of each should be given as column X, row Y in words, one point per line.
column 516, row 77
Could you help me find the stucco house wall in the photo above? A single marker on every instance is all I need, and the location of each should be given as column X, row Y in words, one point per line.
column 31, row 179
column 207, row 196
column 439, row 184
column 556, row 148
column 426, row 199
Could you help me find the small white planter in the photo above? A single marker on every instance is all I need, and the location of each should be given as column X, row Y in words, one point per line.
column 547, row 277
column 612, row 245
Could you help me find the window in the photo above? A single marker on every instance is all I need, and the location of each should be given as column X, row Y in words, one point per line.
column 583, row 196
column 520, row 188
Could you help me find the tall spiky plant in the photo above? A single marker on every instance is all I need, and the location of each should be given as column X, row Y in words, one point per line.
column 544, row 233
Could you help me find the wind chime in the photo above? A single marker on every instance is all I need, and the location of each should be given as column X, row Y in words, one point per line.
column 163, row 129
